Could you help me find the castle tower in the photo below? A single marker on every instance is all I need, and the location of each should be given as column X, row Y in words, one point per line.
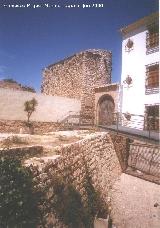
column 77, row 76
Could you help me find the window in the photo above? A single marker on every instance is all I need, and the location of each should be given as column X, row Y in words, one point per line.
column 152, row 38
column 152, row 117
column 152, row 78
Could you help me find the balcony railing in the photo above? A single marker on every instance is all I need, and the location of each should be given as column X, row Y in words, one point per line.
column 152, row 42
column 148, row 124
column 151, row 90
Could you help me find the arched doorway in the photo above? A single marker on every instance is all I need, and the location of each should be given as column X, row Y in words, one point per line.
column 106, row 109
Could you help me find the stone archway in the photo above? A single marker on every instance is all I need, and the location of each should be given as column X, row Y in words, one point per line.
column 106, row 108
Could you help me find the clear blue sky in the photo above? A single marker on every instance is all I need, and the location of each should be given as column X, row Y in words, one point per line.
column 31, row 39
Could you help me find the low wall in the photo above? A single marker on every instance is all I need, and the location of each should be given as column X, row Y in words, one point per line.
column 49, row 109
column 95, row 151
column 16, row 126
column 121, row 146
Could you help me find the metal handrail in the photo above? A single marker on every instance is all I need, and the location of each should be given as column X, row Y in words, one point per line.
column 68, row 114
column 144, row 145
column 139, row 122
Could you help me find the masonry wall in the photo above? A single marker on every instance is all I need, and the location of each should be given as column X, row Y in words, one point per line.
column 13, row 85
column 19, row 126
column 76, row 77
column 49, row 109
column 96, row 151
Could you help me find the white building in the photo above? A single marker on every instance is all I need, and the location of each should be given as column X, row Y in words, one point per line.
column 140, row 72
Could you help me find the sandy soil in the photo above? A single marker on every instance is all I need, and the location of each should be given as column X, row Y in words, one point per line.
column 49, row 141
column 135, row 203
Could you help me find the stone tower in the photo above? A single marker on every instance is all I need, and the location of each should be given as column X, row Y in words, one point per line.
column 77, row 76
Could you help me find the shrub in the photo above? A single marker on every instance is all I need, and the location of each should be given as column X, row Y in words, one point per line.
column 67, row 204
column 30, row 107
column 10, row 80
column 28, row 88
column 95, row 206
column 18, row 201
column 25, row 88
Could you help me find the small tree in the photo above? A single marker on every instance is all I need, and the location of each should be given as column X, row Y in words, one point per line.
column 30, row 107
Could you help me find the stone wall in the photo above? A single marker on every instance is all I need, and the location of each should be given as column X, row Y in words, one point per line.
column 13, row 85
column 121, row 146
column 95, row 151
column 76, row 77
column 16, row 126
column 49, row 109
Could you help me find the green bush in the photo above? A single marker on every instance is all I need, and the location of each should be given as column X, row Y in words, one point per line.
column 10, row 80
column 18, row 201
column 30, row 107
column 67, row 204
column 94, row 204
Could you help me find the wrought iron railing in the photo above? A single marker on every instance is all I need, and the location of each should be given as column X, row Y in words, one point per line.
column 151, row 90
column 139, row 122
column 152, row 42
column 145, row 157
column 69, row 115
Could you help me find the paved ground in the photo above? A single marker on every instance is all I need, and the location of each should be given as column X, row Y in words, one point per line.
column 135, row 203
column 134, row 132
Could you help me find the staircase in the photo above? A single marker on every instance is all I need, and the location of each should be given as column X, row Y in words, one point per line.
column 73, row 120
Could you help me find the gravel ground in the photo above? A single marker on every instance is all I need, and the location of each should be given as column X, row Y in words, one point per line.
column 135, row 203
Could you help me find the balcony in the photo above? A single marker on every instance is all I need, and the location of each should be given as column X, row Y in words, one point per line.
column 152, row 39
column 152, row 79
column 151, row 90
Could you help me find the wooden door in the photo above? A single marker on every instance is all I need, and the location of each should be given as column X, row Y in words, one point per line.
column 106, row 110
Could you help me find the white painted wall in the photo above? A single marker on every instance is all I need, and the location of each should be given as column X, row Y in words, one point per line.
column 133, row 64
column 49, row 109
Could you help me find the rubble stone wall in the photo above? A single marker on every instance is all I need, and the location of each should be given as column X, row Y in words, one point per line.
column 121, row 146
column 95, row 151
column 13, row 85
column 49, row 109
column 18, row 126
column 76, row 77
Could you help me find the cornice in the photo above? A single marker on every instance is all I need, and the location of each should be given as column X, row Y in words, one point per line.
column 154, row 17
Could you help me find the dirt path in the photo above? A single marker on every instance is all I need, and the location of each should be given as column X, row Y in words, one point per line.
column 135, row 203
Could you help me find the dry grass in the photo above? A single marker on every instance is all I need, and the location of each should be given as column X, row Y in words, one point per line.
column 48, row 141
column 13, row 141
